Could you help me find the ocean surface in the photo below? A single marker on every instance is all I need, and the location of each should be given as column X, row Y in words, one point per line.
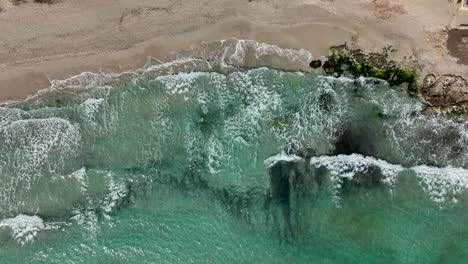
column 251, row 166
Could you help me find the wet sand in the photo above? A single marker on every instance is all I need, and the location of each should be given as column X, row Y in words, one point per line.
column 61, row 40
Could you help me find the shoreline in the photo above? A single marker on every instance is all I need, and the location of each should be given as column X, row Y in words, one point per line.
column 223, row 56
column 129, row 34
column 27, row 76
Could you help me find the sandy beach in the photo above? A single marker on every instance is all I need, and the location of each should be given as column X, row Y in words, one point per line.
column 44, row 42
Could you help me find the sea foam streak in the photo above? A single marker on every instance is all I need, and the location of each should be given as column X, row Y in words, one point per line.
column 282, row 156
column 223, row 55
column 24, row 227
column 442, row 184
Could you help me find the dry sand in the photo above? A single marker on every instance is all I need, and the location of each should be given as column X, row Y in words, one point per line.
column 40, row 42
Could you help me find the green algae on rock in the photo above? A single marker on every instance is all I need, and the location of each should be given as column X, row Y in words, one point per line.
column 345, row 62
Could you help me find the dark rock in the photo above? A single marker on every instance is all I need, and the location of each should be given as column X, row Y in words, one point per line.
column 379, row 61
column 315, row 64
column 354, row 63
column 329, row 67
column 444, row 90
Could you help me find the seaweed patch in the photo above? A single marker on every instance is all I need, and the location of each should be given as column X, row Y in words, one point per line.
column 354, row 63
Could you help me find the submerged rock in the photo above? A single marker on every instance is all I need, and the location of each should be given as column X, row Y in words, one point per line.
column 369, row 178
column 293, row 184
column 354, row 140
column 241, row 204
column 281, row 174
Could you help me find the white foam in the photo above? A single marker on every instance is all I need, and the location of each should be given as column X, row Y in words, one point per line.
column 204, row 57
column 84, row 80
column 87, row 219
column 282, row 156
column 216, row 154
column 109, row 197
column 89, row 108
column 347, row 166
column 30, row 149
column 261, row 103
column 182, row 83
column 292, row 55
column 9, row 115
column 91, row 80
column 80, row 176
column 312, row 124
column 24, row 228
column 116, row 190
column 237, row 58
column 235, row 53
column 441, row 184
column 440, row 140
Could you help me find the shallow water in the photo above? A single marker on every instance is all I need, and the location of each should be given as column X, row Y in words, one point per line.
column 256, row 166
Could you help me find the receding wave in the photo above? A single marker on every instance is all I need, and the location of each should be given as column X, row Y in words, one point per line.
column 221, row 56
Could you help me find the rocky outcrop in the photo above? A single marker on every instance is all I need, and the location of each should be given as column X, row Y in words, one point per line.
column 445, row 90
column 343, row 61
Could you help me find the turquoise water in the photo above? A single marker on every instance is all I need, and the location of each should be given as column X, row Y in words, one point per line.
column 258, row 166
